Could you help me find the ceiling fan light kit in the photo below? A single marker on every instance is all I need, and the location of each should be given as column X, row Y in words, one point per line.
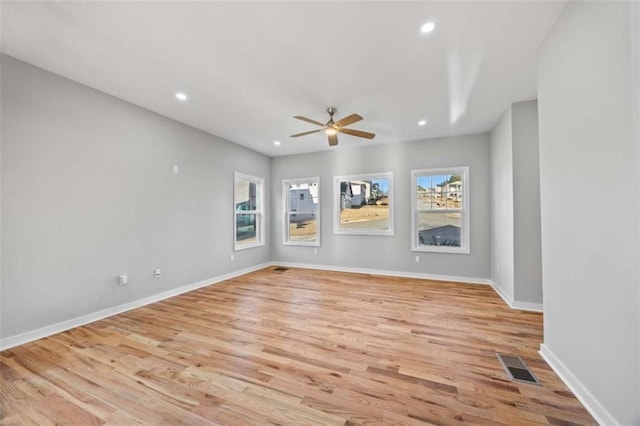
column 332, row 128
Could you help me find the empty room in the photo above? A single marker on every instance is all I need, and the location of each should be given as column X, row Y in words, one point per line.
column 320, row 213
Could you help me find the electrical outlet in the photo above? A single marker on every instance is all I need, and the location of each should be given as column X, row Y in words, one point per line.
column 417, row 259
column 233, row 257
column 123, row 280
column 176, row 169
column 157, row 273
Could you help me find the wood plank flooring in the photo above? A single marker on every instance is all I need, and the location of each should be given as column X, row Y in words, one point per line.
column 299, row 347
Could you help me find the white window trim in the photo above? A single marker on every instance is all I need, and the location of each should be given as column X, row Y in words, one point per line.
column 336, row 206
column 259, row 212
column 465, row 244
column 285, row 209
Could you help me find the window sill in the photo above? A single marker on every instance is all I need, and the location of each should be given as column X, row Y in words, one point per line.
column 247, row 246
column 388, row 233
column 302, row 244
column 442, row 249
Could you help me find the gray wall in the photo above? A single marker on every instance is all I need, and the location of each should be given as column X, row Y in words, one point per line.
column 390, row 253
column 515, row 204
column 526, row 203
column 502, row 238
column 590, row 189
column 88, row 193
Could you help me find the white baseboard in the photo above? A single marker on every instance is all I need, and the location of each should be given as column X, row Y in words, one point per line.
column 450, row 278
column 507, row 298
column 599, row 413
column 527, row 306
column 30, row 336
column 523, row 306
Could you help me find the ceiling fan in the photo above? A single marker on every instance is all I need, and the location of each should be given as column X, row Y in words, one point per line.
column 332, row 128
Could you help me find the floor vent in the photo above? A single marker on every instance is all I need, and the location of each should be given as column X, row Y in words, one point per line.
column 517, row 369
column 280, row 269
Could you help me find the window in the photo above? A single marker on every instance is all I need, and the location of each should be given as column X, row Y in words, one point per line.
column 440, row 200
column 301, row 199
column 364, row 204
column 248, row 221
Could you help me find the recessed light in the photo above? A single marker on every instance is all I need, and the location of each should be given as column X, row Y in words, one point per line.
column 422, row 123
column 276, row 143
column 181, row 96
column 428, row 27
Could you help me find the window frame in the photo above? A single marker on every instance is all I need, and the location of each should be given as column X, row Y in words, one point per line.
column 258, row 212
column 336, row 208
column 287, row 212
column 465, row 243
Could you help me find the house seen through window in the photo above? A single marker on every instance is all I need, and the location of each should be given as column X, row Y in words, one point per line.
column 440, row 219
column 301, row 211
column 248, row 220
column 364, row 204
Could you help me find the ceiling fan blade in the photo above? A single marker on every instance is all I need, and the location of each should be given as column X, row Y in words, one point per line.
column 358, row 133
column 333, row 140
column 305, row 133
column 308, row 120
column 353, row 118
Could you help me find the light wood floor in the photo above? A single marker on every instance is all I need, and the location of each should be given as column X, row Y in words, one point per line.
column 297, row 347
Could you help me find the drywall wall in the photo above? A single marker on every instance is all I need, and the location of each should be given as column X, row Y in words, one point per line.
column 389, row 253
column 516, row 268
column 88, row 192
column 589, row 198
column 527, row 254
column 635, row 118
column 502, row 237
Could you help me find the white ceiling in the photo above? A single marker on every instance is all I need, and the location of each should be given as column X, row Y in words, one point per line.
column 249, row 67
